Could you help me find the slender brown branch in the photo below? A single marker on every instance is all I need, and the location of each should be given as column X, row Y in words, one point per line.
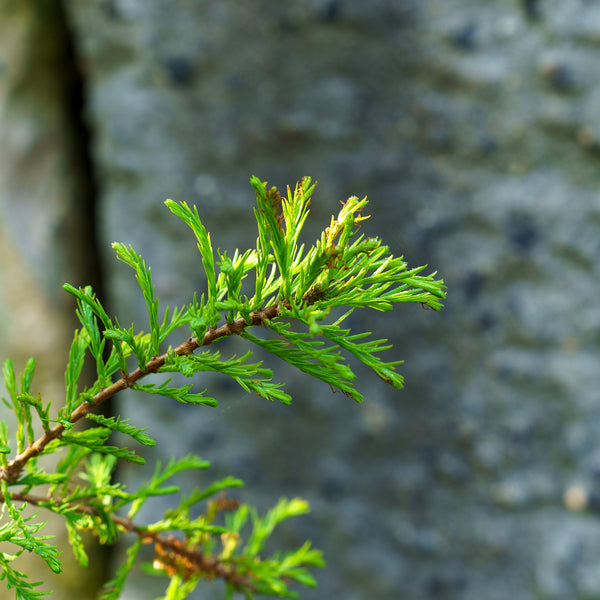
column 11, row 471
column 171, row 552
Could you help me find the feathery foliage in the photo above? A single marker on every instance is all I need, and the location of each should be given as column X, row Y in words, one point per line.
column 288, row 289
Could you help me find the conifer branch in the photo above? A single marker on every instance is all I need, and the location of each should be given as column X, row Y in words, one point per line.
column 298, row 284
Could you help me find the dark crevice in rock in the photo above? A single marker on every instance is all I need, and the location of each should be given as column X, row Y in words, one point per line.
column 87, row 205
column 86, row 201
column 532, row 9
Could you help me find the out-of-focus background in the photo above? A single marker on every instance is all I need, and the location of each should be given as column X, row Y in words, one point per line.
column 473, row 127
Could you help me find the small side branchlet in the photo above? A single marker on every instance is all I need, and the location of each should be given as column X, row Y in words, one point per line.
column 208, row 534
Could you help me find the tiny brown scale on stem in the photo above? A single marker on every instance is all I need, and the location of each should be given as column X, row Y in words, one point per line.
column 274, row 198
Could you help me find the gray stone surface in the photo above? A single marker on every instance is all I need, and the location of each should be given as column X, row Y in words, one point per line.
column 473, row 128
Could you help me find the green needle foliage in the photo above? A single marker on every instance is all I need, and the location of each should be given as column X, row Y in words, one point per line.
column 291, row 291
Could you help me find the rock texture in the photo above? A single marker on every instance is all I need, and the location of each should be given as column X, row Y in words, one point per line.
column 473, row 128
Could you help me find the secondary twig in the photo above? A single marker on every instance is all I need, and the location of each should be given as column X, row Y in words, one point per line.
column 171, row 552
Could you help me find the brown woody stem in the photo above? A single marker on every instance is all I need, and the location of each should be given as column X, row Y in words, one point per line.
column 11, row 472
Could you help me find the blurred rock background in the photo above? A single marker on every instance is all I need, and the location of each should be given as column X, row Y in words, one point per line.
column 47, row 224
column 474, row 130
